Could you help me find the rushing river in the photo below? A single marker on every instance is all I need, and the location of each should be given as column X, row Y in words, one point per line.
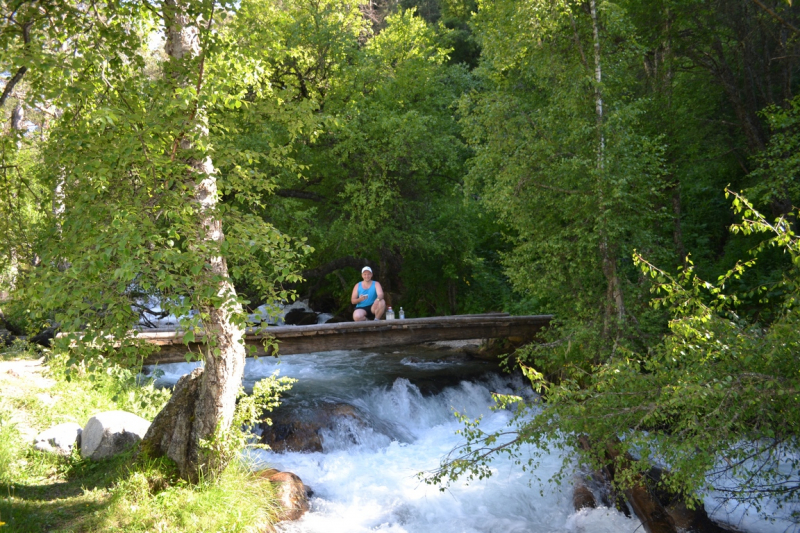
column 365, row 478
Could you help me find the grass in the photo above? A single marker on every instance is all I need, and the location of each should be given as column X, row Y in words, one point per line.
column 44, row 492
column 19, row 350
column 147, row 501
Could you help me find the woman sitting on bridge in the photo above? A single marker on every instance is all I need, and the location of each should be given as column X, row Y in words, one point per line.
column 368, row 298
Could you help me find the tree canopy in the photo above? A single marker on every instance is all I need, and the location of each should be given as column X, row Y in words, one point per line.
column 568, row 157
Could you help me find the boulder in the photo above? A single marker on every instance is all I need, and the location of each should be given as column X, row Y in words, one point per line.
column 300, row 317
column 301, row 432
column 292, row 493
column 582, row 496
column 110, row 433
column 59, row 439
column 44, row 337
column 292, row 435
column 300, row 305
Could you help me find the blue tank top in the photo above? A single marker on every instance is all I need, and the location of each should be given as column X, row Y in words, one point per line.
column 371, row 293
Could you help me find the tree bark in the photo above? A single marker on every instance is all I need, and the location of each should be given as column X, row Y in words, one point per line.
column 212, row 410
column 17, row 117
column 614, row 298
column 677, row 231
column 11, row 84
column 17, row 77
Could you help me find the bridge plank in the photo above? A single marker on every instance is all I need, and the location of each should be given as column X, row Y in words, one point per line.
column 359, row 335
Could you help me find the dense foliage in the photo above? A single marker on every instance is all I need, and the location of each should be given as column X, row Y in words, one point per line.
column 716, row 402
column 535, row 156
column 597, row 141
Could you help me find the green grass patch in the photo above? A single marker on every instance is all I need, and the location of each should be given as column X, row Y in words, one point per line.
column 123, row 494
column 147, row 500
column 19, row 350
column 44, row 492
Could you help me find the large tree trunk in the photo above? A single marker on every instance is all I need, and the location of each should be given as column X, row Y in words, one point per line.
column 205, row 408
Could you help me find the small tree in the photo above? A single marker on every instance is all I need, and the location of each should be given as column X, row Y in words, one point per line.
column 140, row 217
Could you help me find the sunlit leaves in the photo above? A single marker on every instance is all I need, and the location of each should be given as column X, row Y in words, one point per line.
column 716, row 401
column 127, row 232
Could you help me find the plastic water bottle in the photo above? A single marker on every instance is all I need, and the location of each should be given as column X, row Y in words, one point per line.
column 402, row 314
column 389, row 314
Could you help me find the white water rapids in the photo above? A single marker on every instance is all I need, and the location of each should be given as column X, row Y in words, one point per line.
column 365, row 478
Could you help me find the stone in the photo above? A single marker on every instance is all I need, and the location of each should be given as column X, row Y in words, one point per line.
column 170, row 433
column 59, row 439
column 300, row 305
column 582, row 496
column 44, row 337
column 292, row 494
column 110, row 433
column 292, row 435
column 300, row 317
column 454, row 358
column 301, row 433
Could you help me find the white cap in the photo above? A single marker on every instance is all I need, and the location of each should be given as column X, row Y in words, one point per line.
column 366, row 268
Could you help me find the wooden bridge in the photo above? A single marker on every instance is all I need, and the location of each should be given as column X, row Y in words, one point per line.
column 356, row 335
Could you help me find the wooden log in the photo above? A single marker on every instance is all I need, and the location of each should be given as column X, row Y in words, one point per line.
column 358, row 335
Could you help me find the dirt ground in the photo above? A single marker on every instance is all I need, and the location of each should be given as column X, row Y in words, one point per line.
column 17, row 378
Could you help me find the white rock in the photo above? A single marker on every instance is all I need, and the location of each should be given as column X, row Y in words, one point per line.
column 110, row 433
column 58, row 439
column 301, row 305
column 324, row 317
column 274, row 314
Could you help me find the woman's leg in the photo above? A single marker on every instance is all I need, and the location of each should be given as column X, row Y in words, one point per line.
column 378, row 308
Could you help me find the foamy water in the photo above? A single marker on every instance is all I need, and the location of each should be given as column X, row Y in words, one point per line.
column 365, row 479
column 372, row 484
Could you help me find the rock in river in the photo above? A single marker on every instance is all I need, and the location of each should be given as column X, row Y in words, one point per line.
column 302, row 433
column 292, row 493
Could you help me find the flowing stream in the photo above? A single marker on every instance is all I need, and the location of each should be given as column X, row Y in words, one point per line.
column 365, row 477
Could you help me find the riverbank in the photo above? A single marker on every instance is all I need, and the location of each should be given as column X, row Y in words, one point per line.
column 47, row 492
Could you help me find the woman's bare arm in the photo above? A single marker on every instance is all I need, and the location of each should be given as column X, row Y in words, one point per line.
column 354, row 298
column 379, row 290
